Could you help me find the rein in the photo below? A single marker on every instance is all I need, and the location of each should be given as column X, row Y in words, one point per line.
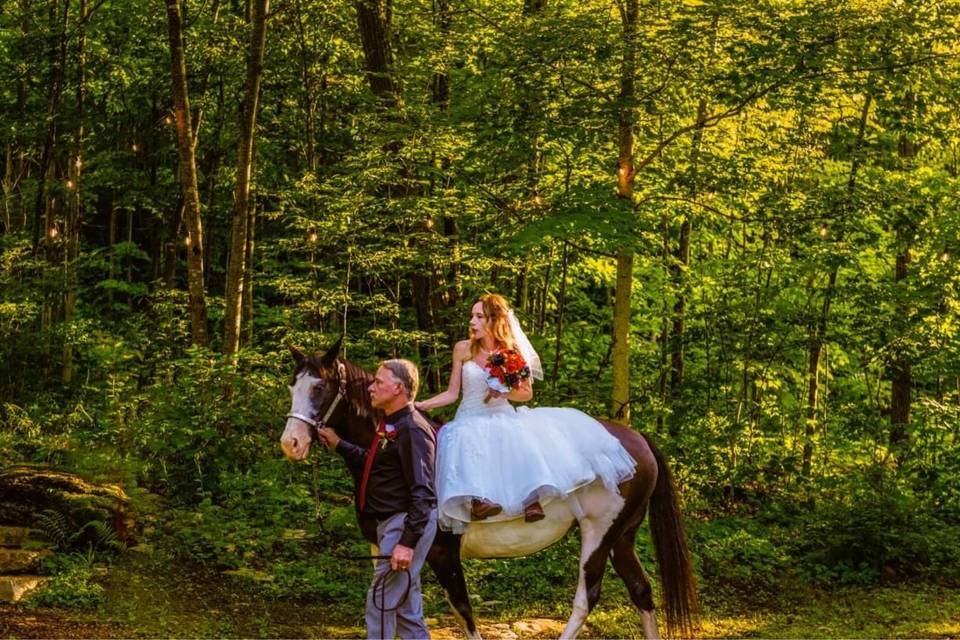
column 380, row 583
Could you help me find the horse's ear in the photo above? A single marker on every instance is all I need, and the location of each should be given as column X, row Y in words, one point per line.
column 331, row 355
column 298, row 356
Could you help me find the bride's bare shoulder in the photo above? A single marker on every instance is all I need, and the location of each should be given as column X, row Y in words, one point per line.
column 461, row 347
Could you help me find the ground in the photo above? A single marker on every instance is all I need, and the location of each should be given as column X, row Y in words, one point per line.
column 154, row 599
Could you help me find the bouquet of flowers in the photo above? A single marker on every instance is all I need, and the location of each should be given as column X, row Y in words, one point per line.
column 506, row 370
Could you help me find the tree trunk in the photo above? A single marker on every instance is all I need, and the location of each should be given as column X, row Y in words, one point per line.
column 374, row 18
column 188, row 175
column 112, row 240
column 901, row 370
column 620, row 397
column 820, row 331
column 682, row 263
column 72, row 227
column 237, row 261
column 561, row 304
column 58, row 60
column 246, row 335
column 307, row 79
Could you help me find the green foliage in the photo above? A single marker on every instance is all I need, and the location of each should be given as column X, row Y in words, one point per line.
column 871, row 535
column 93, row 536
column 383, row 224
column 738, row 556
column 70, row 585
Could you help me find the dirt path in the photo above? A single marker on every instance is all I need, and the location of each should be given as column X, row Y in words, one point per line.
column 45, row 622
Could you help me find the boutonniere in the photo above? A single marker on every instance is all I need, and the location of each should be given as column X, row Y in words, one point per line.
column 388, row 433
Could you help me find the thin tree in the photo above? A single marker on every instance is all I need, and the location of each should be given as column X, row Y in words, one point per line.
column 72, row 226
column 186, row 147
column 620, row 397
column 237, row 260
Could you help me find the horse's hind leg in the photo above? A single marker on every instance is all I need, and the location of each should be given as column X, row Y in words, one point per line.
column 444, row 559
column 628, row 567
column 593, row 560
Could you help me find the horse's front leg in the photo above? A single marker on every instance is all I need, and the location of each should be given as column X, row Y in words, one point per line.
column 444, row 559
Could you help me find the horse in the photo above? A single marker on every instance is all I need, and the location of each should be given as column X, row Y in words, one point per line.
column 327, row 390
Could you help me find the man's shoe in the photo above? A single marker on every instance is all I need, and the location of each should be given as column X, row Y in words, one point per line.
column 533, row 512
column 482, row 509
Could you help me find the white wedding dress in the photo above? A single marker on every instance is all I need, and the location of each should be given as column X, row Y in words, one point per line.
column 512, row 456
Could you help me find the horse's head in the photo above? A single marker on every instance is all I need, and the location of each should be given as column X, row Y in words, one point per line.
column 315, row 390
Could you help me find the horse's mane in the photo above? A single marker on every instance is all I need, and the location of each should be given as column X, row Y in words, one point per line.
column 358, row 389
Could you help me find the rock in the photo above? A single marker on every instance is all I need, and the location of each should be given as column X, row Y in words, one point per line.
column 26, row 492
column 21, row 560
column 539, row 627
column 500, row 630
column 13, row 536
column 12, row 588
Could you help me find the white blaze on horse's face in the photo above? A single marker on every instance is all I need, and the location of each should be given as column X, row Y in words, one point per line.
column 296, row 439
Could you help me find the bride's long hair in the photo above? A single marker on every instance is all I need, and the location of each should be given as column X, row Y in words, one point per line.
column 496, row 310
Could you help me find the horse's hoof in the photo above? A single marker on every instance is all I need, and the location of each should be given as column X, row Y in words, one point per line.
column 483, row 509
column 533, row 513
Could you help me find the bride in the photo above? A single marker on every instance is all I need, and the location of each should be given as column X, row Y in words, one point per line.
column 498, row 462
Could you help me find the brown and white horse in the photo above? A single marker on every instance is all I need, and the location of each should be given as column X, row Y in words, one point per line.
column 330, row 390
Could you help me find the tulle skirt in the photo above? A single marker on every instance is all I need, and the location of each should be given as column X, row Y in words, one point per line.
column 515, row 456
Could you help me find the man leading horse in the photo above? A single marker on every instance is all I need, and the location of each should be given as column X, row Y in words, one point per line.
column 396, row 490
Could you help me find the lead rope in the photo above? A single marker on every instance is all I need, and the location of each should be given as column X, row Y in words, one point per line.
column 380, row 583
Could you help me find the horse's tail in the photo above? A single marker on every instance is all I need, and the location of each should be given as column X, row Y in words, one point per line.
column 679, row 585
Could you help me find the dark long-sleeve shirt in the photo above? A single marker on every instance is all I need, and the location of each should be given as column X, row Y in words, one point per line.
column 402, row 475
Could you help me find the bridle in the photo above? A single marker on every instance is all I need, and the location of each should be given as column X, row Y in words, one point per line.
column 341, row 395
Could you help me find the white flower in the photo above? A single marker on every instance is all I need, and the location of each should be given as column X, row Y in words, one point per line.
column 494, row 383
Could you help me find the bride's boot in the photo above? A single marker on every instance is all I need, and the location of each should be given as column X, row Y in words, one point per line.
column 481, row 509
column 533, row 512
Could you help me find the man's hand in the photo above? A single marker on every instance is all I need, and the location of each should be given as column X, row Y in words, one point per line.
column 401, row 558
column 328, row 437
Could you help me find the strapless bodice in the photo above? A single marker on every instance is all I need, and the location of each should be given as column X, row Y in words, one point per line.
column 474, row 389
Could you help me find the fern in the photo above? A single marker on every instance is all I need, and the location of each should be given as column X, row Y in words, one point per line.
column 56, row 528
column 105, row 537
column 59, row 530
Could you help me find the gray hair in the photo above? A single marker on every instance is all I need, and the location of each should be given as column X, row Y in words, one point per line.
column 406, row 372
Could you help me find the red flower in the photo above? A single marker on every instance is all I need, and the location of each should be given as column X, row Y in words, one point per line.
column 387, row 433
column 508, row 367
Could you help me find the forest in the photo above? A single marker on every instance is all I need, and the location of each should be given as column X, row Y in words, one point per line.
column 731, row 225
